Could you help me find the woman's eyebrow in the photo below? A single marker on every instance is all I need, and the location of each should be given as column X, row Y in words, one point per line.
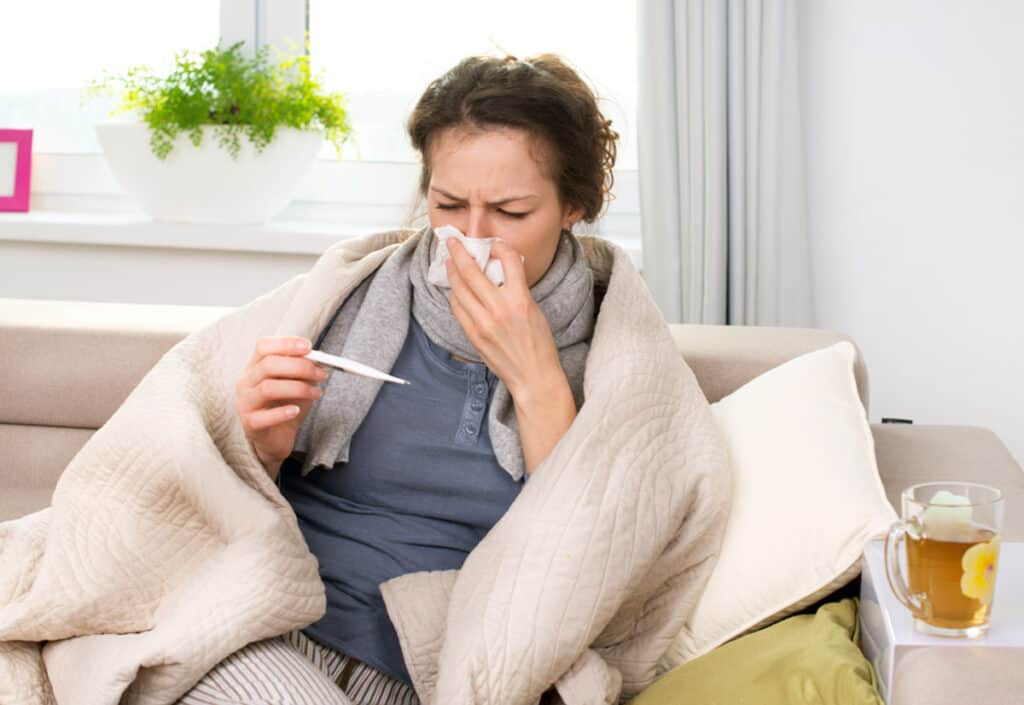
column 501, row 202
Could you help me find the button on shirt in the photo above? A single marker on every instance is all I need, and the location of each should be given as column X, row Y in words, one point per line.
column 421, row 488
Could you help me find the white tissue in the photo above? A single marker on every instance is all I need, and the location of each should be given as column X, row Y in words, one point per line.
column 948, row 516
column 478, row 248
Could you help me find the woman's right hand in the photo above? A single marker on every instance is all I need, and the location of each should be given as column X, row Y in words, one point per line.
column 274, row 395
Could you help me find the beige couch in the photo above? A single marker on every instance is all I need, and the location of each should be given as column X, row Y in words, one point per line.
column 65, row 367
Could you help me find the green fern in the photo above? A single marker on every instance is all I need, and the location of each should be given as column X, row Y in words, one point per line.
column 225, row 88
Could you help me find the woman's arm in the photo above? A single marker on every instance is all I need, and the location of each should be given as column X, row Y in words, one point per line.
column 508, row 329
column 545, row 410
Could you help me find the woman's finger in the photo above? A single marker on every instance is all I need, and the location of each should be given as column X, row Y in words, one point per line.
column 279, row 345
column 515, row 273
column 464, row 319
column 285, row 367
column 475, row 280
column 269, row 391
column 465, row 297
column 262, row 419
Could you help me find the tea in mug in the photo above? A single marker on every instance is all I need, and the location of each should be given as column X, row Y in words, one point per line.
column 950, row 536
column 955, row 593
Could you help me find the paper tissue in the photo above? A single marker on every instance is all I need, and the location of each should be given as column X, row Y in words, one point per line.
column 478, row 248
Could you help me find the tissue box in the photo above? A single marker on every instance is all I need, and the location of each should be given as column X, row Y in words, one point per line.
column 920, row 669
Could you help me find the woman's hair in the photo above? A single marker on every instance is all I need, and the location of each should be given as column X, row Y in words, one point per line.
column 541, row 95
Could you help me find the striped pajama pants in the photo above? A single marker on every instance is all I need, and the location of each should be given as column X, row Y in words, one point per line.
column 295, row 670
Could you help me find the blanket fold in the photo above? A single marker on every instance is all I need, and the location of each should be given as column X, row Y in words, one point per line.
column 167, row 547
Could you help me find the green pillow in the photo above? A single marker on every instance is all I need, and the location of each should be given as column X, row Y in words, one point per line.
column 807, row 658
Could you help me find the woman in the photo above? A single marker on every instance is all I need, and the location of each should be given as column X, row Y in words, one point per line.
column 511, row 149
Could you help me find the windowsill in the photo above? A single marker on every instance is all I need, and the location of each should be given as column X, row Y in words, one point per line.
column 299, row 237
column 138, row 230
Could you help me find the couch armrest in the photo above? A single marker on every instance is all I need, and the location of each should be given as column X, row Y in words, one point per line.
column 908, row 454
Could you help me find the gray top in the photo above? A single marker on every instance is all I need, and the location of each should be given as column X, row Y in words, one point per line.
column 421, row 488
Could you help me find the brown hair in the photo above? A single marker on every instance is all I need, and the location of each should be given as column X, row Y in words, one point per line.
column 542, row 95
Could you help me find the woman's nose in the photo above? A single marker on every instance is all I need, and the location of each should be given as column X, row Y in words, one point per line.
column 476, row 225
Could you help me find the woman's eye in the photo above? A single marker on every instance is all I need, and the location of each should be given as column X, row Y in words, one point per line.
column 456, row 206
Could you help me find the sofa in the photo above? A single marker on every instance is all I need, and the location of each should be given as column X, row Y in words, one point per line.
column 66, row 366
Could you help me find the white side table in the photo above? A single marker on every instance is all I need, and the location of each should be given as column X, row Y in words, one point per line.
column 920, row 669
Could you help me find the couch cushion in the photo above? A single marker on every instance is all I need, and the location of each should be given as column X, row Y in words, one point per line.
column 15, row 504
column 806, row 498
column 75, row 362
column 810, row 658
column 31, row 460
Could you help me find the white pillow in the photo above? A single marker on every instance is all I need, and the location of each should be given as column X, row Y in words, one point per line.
column 806, row 498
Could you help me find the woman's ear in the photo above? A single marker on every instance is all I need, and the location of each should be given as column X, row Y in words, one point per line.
column 572, row 216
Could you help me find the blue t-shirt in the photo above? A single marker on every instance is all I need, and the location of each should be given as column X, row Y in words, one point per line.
column 421, row 488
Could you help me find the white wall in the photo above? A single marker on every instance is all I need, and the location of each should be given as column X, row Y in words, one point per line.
column 914, row 142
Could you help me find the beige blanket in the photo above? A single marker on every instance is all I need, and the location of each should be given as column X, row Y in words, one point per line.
column 167, row 547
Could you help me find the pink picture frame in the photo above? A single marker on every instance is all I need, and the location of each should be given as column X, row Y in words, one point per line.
column 19, row 200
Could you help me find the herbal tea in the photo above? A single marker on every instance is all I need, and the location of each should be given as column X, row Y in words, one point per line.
column 951, row 531
column 955, row 593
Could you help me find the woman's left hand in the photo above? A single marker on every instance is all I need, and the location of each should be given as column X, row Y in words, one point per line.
column 504, row 323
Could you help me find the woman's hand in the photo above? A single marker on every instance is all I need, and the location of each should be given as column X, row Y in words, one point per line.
column 504, row 323
column 508, row 329
column 274, row 395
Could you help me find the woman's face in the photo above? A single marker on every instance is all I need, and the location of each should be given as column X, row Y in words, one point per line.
column 492, row 183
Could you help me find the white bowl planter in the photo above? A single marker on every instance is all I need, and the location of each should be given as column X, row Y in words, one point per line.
column 204, row 184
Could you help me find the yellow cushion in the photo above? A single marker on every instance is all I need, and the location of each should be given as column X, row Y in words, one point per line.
column 807, row 658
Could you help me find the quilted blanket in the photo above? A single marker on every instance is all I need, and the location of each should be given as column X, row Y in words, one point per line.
column 167, row 547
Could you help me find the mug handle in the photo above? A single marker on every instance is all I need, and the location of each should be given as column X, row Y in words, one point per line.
column 894, row 573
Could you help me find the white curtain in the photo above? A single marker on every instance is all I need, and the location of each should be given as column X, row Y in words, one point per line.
column 721, row 177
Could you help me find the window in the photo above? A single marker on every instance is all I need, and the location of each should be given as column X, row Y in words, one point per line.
column 383, row 58
column 382, row 55
column 383, row 61
column 50, row 50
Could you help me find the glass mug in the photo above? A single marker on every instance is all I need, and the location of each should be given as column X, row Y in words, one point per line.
column 952, row 532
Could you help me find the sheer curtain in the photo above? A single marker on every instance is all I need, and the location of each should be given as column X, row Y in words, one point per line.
column 721, row 175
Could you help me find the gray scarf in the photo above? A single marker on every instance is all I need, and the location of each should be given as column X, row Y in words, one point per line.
column 372, row 323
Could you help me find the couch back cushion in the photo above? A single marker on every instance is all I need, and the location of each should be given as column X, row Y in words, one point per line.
column 66, row 366
column 75, row 362
column 724, row 358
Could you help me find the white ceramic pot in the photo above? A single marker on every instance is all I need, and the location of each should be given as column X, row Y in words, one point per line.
column 204, row 184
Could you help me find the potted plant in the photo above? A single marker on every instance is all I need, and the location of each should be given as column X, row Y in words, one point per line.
column 224, row 138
